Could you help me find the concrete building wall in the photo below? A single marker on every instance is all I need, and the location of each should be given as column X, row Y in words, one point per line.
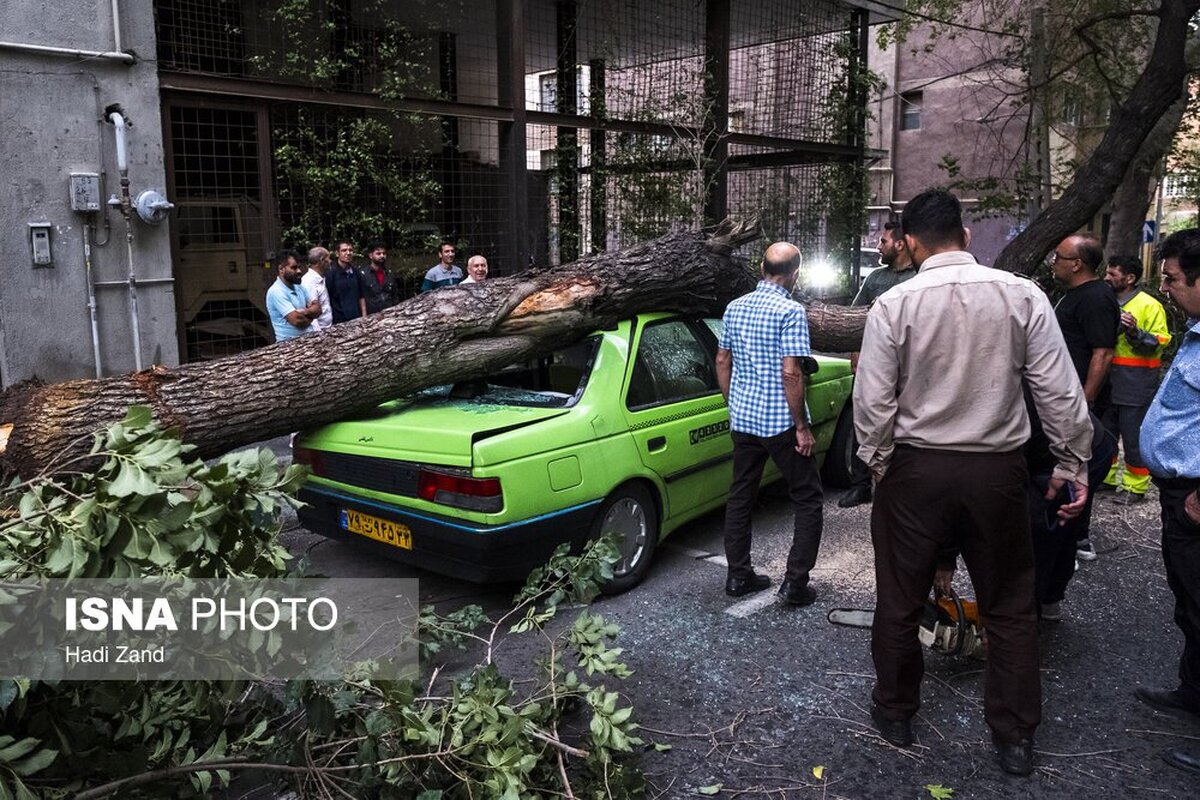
column 966, row 114
column 50, row 107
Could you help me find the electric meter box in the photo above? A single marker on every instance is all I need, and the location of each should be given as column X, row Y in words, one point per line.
column 85, row 191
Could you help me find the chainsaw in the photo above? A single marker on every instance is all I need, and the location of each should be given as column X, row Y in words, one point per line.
column 949, row 625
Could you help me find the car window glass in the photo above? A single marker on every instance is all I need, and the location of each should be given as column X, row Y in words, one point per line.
column 555, row 381
column 715, row 325
column 671, row 365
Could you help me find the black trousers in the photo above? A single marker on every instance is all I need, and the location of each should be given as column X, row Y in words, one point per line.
column 1181, row 557
column 750, row 454
column 860, row 473
column 1054, row 544
column 932, row 501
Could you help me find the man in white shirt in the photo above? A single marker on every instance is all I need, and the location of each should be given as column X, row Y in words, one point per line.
column 477, row 270
column 314, row 284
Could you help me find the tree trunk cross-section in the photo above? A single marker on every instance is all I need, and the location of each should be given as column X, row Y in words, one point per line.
column 440, row 337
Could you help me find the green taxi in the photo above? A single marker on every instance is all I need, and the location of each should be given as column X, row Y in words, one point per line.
column 624, row 432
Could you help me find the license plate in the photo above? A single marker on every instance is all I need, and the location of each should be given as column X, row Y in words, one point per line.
column 381, row 530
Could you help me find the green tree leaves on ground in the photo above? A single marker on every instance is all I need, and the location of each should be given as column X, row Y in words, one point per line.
column 138, row 505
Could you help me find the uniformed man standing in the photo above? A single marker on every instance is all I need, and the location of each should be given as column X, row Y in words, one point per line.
column 1134, row 373
column 1170, row 439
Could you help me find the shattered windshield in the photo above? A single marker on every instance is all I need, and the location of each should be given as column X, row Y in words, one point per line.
column 554, row 381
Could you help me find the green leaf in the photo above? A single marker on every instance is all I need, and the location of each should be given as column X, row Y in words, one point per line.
column 711, row 790
column 130, row 480
column 35, row 763
column 22, row 790
column 63, row 556
column 662, row 747
column 939, row 792
column 138, row 417
column 8, row 693
column 14, row 751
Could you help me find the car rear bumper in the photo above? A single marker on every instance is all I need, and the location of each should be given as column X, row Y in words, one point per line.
column 449, row 546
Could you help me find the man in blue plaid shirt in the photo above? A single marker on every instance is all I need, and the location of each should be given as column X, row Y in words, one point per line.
column 760, row 369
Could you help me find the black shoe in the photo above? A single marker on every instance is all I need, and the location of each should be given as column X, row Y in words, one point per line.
column 896, row 731
column 1016, row 758
column 1104, row 488
column 794, row 594
column 1182, row 759
column 1169, row 701
column 737, row 587
column 855, row 497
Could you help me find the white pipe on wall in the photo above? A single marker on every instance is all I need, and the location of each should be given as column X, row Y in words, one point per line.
column 116, row 16
column 70, row 52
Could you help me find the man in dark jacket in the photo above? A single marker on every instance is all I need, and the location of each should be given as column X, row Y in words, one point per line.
column 345, row 284
column 379, row 284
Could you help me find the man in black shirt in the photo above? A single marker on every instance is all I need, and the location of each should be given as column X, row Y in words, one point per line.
column 1087, row 313
column 1090, row 318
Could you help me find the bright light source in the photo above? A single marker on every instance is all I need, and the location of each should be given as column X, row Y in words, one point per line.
column 822, row 275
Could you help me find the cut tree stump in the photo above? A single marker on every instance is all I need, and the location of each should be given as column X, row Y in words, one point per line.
column 440, row 337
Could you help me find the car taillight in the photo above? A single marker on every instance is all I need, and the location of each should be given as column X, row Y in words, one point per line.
column 314, row 459
column 475, row 494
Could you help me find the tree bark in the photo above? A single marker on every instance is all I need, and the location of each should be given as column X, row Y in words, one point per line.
column 1132, row 198
column 1131, row 202
column 1156, row 90
column 435, row 338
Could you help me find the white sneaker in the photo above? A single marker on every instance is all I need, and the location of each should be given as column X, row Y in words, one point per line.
column 1052, row 612
column 1085, row 551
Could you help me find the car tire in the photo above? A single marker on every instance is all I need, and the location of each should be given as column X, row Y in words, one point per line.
column 838, row 469
column 629, row 512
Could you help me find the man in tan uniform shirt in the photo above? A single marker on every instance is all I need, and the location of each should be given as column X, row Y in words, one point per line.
column 941, row 421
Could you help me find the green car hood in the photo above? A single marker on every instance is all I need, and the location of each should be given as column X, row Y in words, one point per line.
column 429, row 432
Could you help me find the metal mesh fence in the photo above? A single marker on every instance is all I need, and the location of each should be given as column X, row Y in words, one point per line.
column 406, row 122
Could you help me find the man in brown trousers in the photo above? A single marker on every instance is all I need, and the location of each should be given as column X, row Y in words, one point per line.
column 941, row 421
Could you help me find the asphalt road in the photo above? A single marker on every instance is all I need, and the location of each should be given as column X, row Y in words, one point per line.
column 752, row 695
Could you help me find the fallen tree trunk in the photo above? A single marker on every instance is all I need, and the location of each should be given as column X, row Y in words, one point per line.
column 435, row 338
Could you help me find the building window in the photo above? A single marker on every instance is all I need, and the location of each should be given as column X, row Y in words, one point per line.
column 1071, row 111
column 1180, row 184
column 910, row 111
column 547, row 98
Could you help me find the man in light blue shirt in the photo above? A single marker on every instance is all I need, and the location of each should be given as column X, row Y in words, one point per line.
column 288, row 306
column 1170, row 439
column 760, row 369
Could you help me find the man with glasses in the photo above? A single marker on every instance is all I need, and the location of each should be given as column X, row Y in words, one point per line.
column 1089, row 316
column 1170, row 439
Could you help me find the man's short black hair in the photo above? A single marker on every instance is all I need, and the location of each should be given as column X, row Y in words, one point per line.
column 1184, row 246
column 376, row 245
column 448, row 242
column 281, row 258
column 1128, row 265
column 894, row 225
column 1090, row 251
column 935, row 218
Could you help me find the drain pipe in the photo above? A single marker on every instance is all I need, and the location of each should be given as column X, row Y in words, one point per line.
column 116, row 20
column 91, row 294
column 125, row 203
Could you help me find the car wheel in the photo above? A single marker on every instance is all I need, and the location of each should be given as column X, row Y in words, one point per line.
column 630, row 516
column 839, row 460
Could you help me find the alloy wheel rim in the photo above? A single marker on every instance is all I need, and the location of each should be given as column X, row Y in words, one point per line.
column 627, row 520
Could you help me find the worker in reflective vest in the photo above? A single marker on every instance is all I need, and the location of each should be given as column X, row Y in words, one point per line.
column 1134, row 374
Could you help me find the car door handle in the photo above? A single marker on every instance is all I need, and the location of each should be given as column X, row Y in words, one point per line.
column 655, row 444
